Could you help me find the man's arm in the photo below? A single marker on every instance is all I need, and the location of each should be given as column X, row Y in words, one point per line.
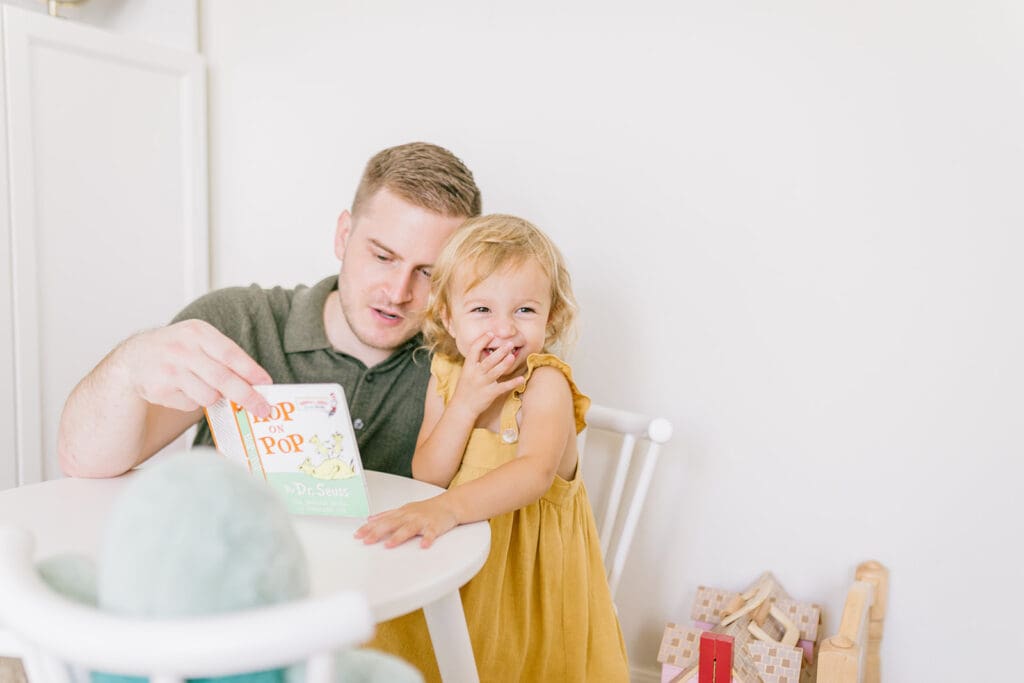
column 149, row 390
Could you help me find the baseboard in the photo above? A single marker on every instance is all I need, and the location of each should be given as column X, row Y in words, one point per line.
column 638, row 675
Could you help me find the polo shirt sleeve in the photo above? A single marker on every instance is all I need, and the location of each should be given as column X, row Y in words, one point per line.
column 252, row 317
column 225, row 309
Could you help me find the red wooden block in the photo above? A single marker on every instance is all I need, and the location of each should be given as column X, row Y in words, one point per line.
column 715, row 665
column 723, row 659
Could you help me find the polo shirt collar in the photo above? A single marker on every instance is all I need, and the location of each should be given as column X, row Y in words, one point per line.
column 304, row 327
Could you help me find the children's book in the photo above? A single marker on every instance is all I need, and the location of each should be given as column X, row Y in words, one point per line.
column 306, row 450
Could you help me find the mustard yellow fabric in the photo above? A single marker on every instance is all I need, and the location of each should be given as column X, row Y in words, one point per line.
column 540, row 608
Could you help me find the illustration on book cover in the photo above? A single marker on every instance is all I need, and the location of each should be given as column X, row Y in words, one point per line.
column 306, row 449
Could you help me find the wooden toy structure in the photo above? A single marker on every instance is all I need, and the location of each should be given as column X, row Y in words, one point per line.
column 772, row 637
column 852, row 655
column 763, row 636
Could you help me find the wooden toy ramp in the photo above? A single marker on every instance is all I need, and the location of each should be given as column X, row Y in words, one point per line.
column 852, row 655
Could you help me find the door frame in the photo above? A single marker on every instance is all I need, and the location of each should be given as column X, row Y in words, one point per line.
column 22, row 31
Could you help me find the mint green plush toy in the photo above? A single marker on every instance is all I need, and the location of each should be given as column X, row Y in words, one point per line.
column 196, row 535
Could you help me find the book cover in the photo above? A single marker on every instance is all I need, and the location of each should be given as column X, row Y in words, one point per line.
column 306, row 450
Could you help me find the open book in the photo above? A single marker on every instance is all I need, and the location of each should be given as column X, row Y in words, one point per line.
column 306, row 450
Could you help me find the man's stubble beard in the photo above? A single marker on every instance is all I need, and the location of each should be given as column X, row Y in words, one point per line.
column 361, row 337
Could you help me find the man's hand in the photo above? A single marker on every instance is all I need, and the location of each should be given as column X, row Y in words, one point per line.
column 479, row 382
column 190, row 364
column 148, row 391
column 426, row 518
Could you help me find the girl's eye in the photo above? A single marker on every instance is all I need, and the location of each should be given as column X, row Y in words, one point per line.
column 527, row 309
column 480, row 309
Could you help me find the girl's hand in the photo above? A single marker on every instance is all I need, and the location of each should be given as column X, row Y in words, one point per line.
column 426, row 518
column 479, row 383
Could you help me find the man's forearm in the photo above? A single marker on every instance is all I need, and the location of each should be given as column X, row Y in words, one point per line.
column 149, row 390
column 103, row 426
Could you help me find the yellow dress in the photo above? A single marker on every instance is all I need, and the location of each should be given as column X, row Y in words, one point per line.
column 540, row 608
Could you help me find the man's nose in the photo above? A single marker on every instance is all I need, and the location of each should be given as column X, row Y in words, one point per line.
column 400, row 287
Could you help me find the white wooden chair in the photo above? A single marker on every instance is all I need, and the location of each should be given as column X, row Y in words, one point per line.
column 639, row 433
column 59, row 639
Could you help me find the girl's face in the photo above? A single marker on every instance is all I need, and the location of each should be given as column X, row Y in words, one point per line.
column 512, row 304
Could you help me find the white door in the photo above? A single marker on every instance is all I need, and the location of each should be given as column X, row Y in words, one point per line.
column 106, row 142
column 8, row 418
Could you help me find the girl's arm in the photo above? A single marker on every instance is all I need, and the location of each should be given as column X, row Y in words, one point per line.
column 547, row 426
column 446, row 429
column 433, row 462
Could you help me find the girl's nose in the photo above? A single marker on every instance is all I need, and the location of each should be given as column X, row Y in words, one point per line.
column 505, row 328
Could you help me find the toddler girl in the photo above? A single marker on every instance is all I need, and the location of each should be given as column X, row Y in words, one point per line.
column 499, row 432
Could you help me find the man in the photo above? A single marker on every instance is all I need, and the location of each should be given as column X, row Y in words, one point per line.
column 359, row 328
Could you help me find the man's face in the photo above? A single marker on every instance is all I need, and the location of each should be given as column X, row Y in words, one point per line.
column 387, row 252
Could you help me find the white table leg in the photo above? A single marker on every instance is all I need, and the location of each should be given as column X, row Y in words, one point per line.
column 448, row 632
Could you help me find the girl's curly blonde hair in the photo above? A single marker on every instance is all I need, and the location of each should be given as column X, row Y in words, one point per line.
column 487, row 244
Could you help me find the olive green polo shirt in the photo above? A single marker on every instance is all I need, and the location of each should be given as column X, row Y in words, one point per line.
column 283, row 330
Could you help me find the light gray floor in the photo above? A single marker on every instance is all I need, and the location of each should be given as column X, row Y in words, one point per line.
column 11, row 671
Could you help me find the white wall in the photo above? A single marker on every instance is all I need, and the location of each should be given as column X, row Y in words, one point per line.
column 795, row 230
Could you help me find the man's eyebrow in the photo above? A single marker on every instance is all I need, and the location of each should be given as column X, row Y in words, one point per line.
column 394, row 254
column 382, row 247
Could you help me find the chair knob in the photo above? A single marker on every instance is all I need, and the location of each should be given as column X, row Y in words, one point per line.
column 660, row 430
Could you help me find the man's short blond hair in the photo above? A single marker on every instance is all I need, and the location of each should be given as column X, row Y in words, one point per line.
column 423, row 175
column 486, row 245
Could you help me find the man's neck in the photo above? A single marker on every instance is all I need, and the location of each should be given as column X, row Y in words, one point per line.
column 344, row 340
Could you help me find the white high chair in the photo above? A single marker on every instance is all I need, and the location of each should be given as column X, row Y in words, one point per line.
column 638, row 433
column 59, row 640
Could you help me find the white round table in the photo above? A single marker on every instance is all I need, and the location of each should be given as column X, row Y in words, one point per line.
column 68, row 515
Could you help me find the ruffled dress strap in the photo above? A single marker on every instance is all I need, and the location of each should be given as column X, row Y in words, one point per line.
column 580, row 401
column 447, row 371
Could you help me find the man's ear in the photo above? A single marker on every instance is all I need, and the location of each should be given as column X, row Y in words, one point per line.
column 342, row 233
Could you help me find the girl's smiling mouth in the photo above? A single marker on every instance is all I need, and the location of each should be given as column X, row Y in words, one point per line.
column 514, row 352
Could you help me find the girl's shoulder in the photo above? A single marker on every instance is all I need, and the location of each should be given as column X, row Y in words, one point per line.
column 545, row 380
column 549, row 384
